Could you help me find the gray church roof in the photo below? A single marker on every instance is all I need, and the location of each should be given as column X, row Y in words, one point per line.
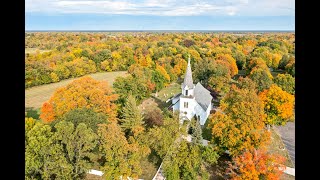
column 188, row 77
column 202, row 96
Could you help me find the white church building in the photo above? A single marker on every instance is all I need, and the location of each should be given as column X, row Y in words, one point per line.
column 194, row 100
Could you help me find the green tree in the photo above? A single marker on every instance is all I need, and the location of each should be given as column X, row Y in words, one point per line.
column 262, row 78
column 159, row 80
column 196, row 131
column 44, row 157
column 284, row 61
column 101, row 56
column 203, row 70
column 206, row 131
column 216, row 75
column 119, row 158
column 247, row 83
column 240, row 59
column 131, row 85
column 78, row 143
column 187, row 161
column 209, row 156
column 132, row 121
column 87, row 116
column 160, row 138
column 286, row 82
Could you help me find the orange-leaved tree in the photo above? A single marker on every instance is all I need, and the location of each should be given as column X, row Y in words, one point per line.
column 229, row 62
column 278, row 105
column 84, row 92
column 47, row 113
column 256, row 164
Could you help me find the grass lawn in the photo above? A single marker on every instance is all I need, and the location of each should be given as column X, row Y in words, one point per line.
column 36, row 96
column 160, row 101
column 167, row 92
column 34, row 50
column 276, row 146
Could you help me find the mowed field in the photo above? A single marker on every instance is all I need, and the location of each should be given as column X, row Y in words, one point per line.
column 36, row 96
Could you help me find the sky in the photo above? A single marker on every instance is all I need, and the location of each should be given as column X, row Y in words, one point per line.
column 160, row 15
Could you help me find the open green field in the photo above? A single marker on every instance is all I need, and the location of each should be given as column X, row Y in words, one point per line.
column 36, row 96
column 34, row 50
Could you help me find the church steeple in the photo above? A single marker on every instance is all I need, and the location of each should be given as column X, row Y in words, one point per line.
column 188, row 77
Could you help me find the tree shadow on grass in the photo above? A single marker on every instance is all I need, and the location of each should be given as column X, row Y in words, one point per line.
column 218, row 171
column 32, row 112
column 161, row 104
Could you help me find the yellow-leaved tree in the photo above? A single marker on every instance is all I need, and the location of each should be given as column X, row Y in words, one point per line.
column 240, row 124
column 278, row 105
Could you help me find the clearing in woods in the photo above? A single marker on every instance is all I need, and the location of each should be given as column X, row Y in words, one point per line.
column 37, row 95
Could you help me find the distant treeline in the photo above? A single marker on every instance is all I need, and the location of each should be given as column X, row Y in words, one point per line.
column 75, row 54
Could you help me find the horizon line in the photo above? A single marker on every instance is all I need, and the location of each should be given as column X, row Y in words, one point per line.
column 159, row 30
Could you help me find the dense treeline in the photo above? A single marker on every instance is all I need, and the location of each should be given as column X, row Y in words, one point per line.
column 80, row 129
column 163, row 54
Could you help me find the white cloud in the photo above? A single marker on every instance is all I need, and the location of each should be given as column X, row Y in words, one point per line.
column 165, row 7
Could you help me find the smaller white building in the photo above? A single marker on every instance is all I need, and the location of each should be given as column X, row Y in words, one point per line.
column 194, row 100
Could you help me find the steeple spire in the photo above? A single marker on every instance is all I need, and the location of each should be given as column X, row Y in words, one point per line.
column 188, row 77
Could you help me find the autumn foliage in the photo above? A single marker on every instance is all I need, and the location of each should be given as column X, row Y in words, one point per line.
column 47, row 112
column 256, row 164
column 241, row 125
column 69, row 55
column 81, row 93
column 278, row 105
column 228, row 61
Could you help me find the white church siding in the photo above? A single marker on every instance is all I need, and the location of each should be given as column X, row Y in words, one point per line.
column 176, row 106
column 190, row 110
column 202, row 113
column 208, row 110
column 175, row 102
column 175, row 99
column 190, row 91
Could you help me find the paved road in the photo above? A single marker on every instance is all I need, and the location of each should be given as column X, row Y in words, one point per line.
column 287, row 133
